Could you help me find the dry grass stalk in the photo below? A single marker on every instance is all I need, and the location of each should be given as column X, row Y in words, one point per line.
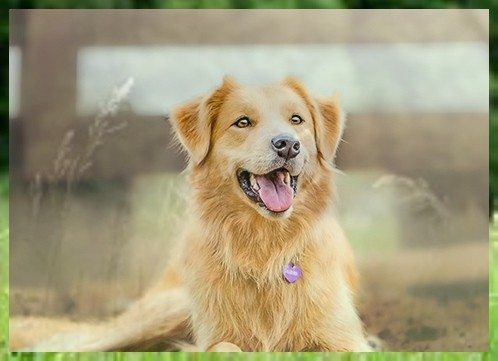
column 68, row 170
column 416, row 197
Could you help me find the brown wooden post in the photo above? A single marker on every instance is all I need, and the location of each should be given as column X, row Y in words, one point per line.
column 48, row 86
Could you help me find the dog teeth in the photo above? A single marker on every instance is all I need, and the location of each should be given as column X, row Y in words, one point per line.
column 254, row 183
column 287, row 178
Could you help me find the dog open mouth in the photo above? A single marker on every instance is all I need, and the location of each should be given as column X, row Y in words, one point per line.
column 274, row 191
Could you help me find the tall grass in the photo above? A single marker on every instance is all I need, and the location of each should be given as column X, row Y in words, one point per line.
column 68, row 169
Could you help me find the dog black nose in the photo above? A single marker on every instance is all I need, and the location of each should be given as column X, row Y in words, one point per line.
column 286, row 146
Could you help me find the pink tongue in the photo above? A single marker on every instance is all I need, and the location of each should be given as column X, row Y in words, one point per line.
column 275, row 194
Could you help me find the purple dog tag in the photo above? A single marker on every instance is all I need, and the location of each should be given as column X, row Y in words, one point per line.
column 292, row 272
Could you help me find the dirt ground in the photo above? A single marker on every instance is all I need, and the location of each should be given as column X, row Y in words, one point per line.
column 428, row 301
column 406, row 311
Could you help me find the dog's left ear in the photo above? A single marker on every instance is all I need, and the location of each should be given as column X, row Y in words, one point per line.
column 193, row 121
column 328, row 119
column 329, row 127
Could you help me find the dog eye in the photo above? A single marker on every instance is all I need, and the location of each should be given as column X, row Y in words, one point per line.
column 242, row 122
column 296, row 119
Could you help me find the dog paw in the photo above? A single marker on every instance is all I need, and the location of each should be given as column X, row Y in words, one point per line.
column 224, row 347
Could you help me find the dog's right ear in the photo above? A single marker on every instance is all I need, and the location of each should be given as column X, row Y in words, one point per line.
column 193, row 121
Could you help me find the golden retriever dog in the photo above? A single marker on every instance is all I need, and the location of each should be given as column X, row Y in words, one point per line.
column 262, row 264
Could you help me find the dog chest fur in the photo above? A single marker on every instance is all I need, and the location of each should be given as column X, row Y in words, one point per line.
column 257, row 309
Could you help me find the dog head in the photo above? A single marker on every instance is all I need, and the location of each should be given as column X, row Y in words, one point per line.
column 265, row 145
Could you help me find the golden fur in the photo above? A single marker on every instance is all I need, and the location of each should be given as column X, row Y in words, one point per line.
column 224, row 289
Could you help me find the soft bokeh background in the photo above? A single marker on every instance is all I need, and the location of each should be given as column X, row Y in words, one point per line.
column 96, row 196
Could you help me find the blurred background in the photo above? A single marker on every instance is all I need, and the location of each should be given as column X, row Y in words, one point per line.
column 96, row 194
